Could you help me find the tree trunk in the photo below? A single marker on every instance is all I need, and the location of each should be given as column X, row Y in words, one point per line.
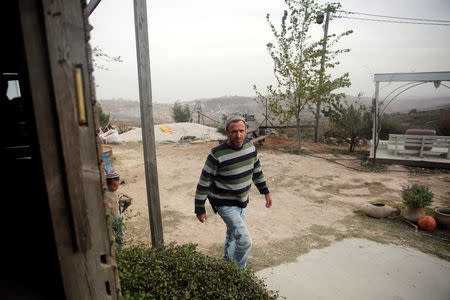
column 352, row 144
column 299, row 134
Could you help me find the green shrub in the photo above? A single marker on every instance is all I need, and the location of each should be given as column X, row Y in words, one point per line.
column 417, row 195
column 221, row 130
column 386, row 127
column 347, row 120
column 103, row 118
column 181, row 113
column 180, row 272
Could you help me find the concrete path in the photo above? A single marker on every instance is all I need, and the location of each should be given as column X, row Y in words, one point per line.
column 362, row 269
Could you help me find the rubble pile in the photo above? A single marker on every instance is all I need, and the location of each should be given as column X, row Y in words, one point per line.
column 179, row 131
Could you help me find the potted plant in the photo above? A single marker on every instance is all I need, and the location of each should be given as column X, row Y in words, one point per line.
column 416, row 197
column 442, row 216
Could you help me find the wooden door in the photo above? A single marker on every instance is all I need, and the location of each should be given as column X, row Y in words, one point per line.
column 55, row 37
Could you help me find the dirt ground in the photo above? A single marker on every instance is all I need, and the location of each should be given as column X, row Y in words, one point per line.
column 315, row 201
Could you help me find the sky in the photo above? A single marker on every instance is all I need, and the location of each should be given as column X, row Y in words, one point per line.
column 208, row 48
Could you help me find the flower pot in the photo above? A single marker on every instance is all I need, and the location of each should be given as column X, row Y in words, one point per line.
column 413, row 214
column 442, row 216
column 377, row 210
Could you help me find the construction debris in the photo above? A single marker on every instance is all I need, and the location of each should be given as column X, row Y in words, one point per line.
column 184, row 132
column 110, row 137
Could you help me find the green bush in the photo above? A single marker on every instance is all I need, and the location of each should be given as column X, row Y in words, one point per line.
column 347, row 121
column 417, row 195
column 103, row 118
column 385, row 126
column 221, row 130
column 388, row 127
column 181, row 113
column 180, row 272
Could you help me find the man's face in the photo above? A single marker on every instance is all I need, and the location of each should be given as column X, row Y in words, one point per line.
column 236, row 134
column 114, row 185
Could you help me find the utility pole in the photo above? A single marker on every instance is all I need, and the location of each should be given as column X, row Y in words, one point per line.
column 197, row 108
column 266, row 113
column 322, row 69
column 147, row 125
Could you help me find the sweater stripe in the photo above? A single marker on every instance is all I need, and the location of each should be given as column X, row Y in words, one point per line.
column 235, row 154
column 242, row 191
column 209, row 170
column 233, row 177
column 223, row 151
column 237, row 171
column 236, row 186
column 261, row 180
column 229, row 197
column 238, row 163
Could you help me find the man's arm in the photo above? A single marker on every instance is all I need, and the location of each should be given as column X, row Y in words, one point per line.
column 268, row 200
column 258, row 178
column 208, row 172
column 260, row 181
column 202, row 218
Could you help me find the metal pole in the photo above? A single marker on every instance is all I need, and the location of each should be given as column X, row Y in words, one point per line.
column 322, row 69
column 148, row 134
column 266, row 113
column 375, row 124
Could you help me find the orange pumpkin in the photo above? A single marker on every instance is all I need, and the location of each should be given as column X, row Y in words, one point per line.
column 427, row 223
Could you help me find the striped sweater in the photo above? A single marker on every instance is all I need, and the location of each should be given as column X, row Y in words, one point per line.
column 227, row 177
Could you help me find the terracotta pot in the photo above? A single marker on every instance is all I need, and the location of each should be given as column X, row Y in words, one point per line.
column 442, row 216
column 377, row 210
column 413, row 214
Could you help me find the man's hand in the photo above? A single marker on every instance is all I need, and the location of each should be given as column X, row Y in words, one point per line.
column 268, row 200
column 202, row 218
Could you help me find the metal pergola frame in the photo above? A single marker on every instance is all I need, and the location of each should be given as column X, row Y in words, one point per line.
column 435, row 77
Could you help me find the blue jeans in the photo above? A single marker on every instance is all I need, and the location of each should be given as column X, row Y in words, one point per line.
column 118, row 230
column 238, row 241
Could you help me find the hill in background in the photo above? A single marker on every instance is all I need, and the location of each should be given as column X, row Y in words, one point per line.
column 215, row 108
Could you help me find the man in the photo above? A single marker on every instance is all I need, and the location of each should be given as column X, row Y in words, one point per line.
column 225, row 180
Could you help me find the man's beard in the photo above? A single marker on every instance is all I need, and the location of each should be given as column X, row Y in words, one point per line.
column 236, row 143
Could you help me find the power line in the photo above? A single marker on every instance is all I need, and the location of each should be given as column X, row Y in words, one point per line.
column 391, row 21
column 421, row 21
column 394, row 17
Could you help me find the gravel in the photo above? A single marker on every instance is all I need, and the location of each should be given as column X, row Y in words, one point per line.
column 199, row 131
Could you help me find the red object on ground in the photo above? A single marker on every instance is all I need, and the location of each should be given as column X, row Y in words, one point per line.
column 419, row 132
column 427, row 223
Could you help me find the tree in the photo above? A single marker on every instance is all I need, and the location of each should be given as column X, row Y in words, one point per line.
column 99, row 55
column 181, row 113
column 103, row 118
column 385, row 126
column 297, row 65
column 346, row 120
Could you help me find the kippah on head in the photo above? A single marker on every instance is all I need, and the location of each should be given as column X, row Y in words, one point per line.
column 112, row 176
column 233, row 119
